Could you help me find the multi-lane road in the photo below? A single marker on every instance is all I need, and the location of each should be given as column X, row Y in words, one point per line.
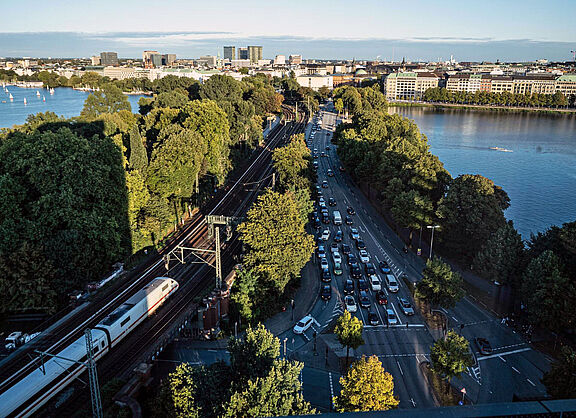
column 514, row 368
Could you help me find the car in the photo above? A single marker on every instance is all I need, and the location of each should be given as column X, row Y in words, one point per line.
column 348, row 287
column 364, row 299
column 326, row 276
column 391, row 317
column 391, row 283
column 381, row 298
column 370, row 270
column 325, row 219
column 327, row 147
column 384, row 267
column 354, row 234
column 321, row 252
column 322, row 154
column 317, row 223
column 373, row 318
column 352, row 260
column 319, row 193
column 337, row 257
column 315, row 155
column 303, row 325
column 330, row 173
column 334, row 247
column 331, row 202
column 322, row 204
column 315, row 165
column 483, row 345
column 338, row 236
column 342, row 169
column 325, row 184
column 362, row 284
column 405, row 307
column 355, row 272
column 348, row 220
column 338, row 269
column 375, row 283
column 324, row 263
column 364, row 256
column 350, row 210
column 315, row 150
column 345, row 249
column 326, row 292
column 326, row 235
column 350, row 304
column 361, row 245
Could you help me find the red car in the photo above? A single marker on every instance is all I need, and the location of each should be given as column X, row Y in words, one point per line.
column 381, row 298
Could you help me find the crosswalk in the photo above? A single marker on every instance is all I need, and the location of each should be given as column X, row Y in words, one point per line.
column 474, row 373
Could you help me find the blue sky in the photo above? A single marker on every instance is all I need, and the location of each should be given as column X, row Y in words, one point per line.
column 417, row 29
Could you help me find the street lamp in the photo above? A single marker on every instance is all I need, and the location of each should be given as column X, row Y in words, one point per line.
column 432, row 227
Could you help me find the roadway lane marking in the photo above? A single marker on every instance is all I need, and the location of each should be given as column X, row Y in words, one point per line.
column 502, row 358
column 505, row 354
column 515, row 369
column 401, row 371
column 531, row 382
column 331, row 389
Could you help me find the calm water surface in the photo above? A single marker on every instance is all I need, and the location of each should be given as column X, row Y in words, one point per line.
column 539, row 174
column 65, row 102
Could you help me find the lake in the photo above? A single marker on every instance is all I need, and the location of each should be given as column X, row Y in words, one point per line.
column 531, row 156
column 65, row 101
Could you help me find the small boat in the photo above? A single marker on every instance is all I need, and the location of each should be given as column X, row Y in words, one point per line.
column 52, row 91
column 501, row 149
column 43, row 98
column 25, row 102
column 37, row 93
column 11, row 97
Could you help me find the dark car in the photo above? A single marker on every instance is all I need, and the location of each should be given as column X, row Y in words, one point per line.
column 363, row 284
column 326, row 219
column 326, row 292
column 350, row 210
column 370, row 270
column 483, row 346
column 364, row 300
column 327, row 148
column 348, row 220
column 349, row 287
column 360, row 245
column 325, row 184
column 384, row 267
column 317, row 223
column 345, row 249
column 330, row 173
column 381, row 298
column 352, row 260
column 326, row 276
column 373, row 318
column 355, row 272
column 338, row 236
column 334, row 246
column 331, row 202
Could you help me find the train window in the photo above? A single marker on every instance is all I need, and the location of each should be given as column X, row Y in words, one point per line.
column 165, row 286
column 125, row 321
column 102, row 344
column 96, row 349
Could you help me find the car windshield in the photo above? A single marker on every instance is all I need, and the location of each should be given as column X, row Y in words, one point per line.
column 300, row 324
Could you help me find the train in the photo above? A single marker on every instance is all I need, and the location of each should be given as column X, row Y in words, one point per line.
column 45, row 381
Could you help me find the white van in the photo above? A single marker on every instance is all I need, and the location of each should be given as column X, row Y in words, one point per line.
column 337, row 218
column 392, row 283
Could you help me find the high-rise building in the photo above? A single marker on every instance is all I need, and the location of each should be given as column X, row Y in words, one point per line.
column 147, row 58
column 168, row 59
column 280, row 60
column 295, row 59
column 230, row 53
column 95, row 60
column 108, row 59
column 254, row 54
column 242, row 53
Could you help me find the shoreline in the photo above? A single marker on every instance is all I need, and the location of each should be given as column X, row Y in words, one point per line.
column 486, row 108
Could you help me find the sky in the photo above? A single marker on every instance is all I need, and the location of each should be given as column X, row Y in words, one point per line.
column 509, row 30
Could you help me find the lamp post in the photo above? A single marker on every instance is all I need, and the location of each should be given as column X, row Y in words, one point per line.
column 432, row 227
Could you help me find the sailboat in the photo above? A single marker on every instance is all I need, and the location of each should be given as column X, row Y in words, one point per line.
column 52, row 90
column 25, row 102
column 43, row 98
column 11, row 97
column 37, row 93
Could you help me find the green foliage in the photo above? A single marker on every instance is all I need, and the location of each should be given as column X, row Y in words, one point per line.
column 175, row 99
column 451, row 356
column 412, row 210
column 561, row 241
column 278, row 245
column 138, row 155
column 560, row 381
column 348, row 330
column 366, row 387
column 549, row 295
column 292, row 163
column 339, row 105
column 108, row 99
column 500, row 257
column 440, row 286
column 244, row 293
column 471, row 212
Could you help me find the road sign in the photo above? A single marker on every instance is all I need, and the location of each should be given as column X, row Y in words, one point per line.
column 419, row 252
column 463, row 390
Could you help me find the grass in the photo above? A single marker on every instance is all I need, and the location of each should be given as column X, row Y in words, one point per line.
column 443, row 391
column 434, row 320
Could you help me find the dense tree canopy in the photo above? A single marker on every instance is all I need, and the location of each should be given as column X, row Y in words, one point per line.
column 560, row 380
column 109, row 99
column 440, row 286
column 451, row 356
column 348, row 330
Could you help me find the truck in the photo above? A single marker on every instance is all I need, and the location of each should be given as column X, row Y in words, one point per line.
column 17, row 339
column 337, row 218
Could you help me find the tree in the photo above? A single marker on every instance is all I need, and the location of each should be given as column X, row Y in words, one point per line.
column 277, row 242
column 560, row 381
column 500, row 257
column 440, row 286
column 243, row 293
column 366, row 387
column 339, row 105
column 549, row 295
column 138, row 156
column 412, row 210
column 348, row 330
column 471, row 212
column 451, row 356
column 109, row 99
column 278, row 393
column 292, row 162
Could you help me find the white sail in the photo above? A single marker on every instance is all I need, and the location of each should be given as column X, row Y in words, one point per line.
column 11, row 97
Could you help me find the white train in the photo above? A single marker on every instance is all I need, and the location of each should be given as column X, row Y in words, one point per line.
column 33, row 391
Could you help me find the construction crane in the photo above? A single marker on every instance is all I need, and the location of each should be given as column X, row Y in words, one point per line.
column 573, row 55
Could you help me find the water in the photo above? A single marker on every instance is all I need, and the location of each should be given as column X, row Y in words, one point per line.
column 539, row 174
column 65, row 101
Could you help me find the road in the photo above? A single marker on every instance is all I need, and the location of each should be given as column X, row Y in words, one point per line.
column 515, row 368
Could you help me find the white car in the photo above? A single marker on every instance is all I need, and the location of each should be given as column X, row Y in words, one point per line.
column 364, row 256
column 391, row 283
column 324, row 263
column 375, row 283
column 326, row 235
column 354, row 234
column 336, row 257
column 391, row 316
column 350, row 304
column 304, row 324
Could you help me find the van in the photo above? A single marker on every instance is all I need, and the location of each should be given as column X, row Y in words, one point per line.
column 391, row 283
column 337, row 218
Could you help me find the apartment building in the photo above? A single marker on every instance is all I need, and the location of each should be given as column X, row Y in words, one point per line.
column 566, row 84
column 517, row 84
column 315, row 81
column 409, row 85
column 528, row 84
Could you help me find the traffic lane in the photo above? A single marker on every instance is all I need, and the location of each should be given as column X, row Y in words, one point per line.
column 319, row 386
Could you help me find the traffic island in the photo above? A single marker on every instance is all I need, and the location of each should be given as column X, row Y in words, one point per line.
column 442, row 391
